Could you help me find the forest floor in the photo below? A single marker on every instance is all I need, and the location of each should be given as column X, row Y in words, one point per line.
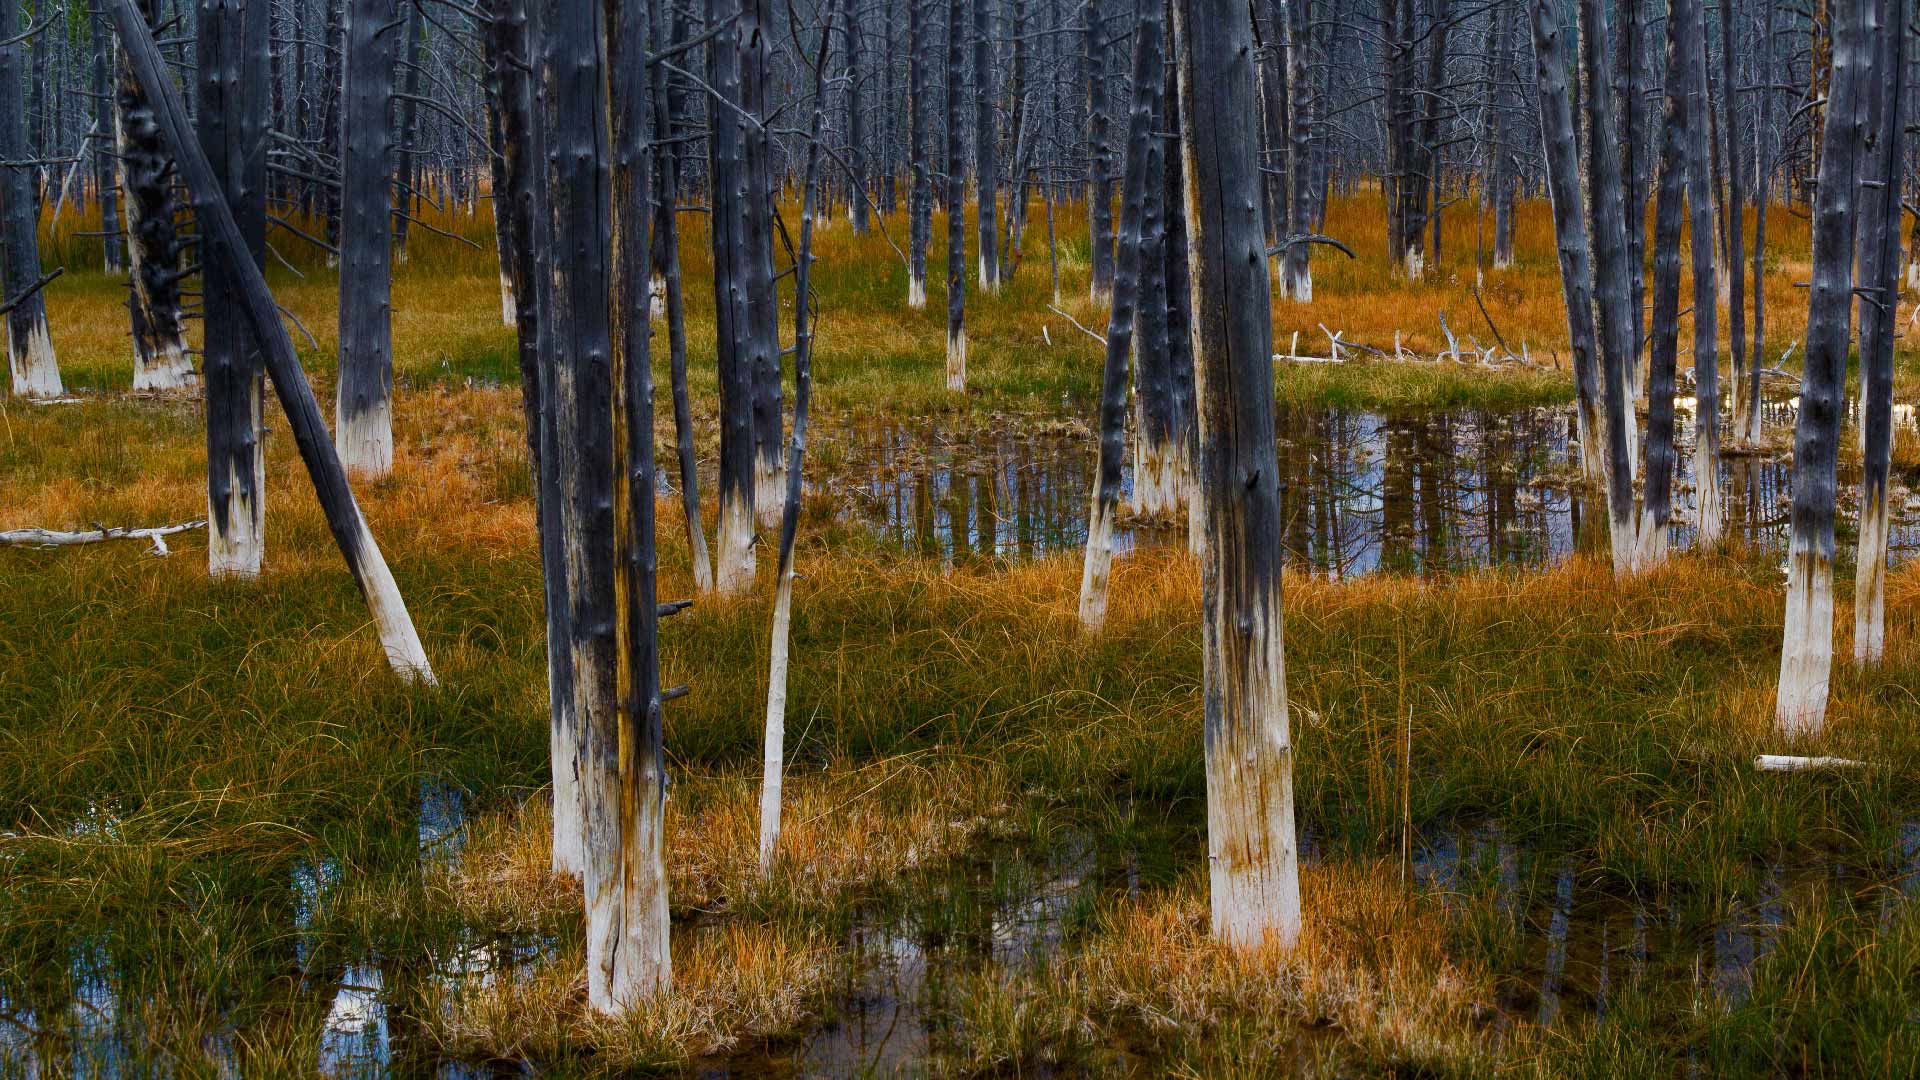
column 1534, row 839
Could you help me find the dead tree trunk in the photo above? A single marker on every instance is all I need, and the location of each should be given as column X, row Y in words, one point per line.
column 956, row 202
column 1100, row 155
column 734, row 559
column 920, row 194
column 1878, row 260
column 103, row 160
column 233, row 134
column 1500, row 178
column 762, row 305
column 1806, row 654
column 510, row 44
column 363, row 407
column 1252, row 848
column 986, row 163
column 1569, row 211
column 1616, row 305
column 1709, row 510
column 408, row 163
column 1746, row 392
column 1664, row 343
column 35, row 371
column 1141, row 172
column 221, row 235
column 160, row 360
column 1303, row 105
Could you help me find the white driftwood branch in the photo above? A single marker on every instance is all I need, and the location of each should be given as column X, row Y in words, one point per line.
column 1790, row 763
column 1076, row 322
column 100, row 533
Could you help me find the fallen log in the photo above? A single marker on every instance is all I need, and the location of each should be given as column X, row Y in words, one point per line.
column 98, row 534
column 1791, row 763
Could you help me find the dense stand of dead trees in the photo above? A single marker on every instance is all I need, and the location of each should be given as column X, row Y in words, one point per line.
column 1223, row 129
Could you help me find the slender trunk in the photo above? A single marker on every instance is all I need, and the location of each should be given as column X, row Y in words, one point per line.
column 233, row 133
column 1606, row 226
column 1746, row 397
column 1100, row 155
column 1296, row 280
column 408, row 165
column 956, row 202
column 363, row 409
column 762, row 306
column 103, row 162
column 1569, row 213
column 734, row 559
column 623, row 763
column 160, row 359
column 920, row 193
column 1878, row 259
column 1664, row 345
column 1806, row 654
column 1142, row 172
column 29, row 346
column 1500, row 169
column 523, row 197
column 986, row 161
column 1709, row 508
column 1253, row 853
column 774, row 746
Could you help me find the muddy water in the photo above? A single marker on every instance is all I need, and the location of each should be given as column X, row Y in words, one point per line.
column 1362, row 491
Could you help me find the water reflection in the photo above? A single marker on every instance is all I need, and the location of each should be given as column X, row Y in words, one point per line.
column 1362, row 491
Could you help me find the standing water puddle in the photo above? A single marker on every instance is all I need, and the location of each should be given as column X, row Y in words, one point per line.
column 1361, row 491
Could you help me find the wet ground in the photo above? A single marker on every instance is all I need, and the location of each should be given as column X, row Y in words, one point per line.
column 1362, row 492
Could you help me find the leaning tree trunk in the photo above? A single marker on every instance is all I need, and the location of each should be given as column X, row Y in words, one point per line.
column 1140, row 172
column 1879, row 266
column 1664, row 344
column 734, row 557
column 1569, row 212
column 363, row 407
column 1253, row 853
column 221, row 235
column 1806, row 653
column 1613, row 280
column 160, row 359
column 1709, row 507
column 233, row 134
column 29, row 346
column 956, row 202
column 920, row 194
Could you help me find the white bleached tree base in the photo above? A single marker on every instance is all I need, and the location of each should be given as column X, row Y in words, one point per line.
column 1870, row 583
column 390, row 619
column 171, row 369
column 1296, row 283
column 1710, row 511
column 733, row 561
column 657, row 296
column 769, row 491
column 1650, row 548
column 36, row 373
column 1415, row 264
column 1252, row 854
column 916, row 292
column 774, row 748
column 1806, row 654
column 239, row 551
column 1160, row 479
column 957, row 361
column 509, row 310
column 365, row 441
column 1097, row 567
column 569, row 833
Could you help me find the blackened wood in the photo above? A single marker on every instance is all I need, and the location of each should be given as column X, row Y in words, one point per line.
column 1099, row 149
column 986, row 164
column 29, row 345
column 956, row 199
column 219, row 231
column 363, row 408
column 1663, row 344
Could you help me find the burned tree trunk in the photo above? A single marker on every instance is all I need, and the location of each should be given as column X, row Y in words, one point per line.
column 956, row 202
column 986, row 164
column 1141, row 174
column 35, row 371
column 1500, row 178
column 1296, row 279
column 1709, row 509
column 623, row 764
column 409, row 156
column 920, row 193
column 1664, row 345
column 1616, row 305
column 160, row 360
column 1806, row 654
column 1746, row 391
column 363, row 406
column 1569, row 212
column 221, row 235
column 856, row 134
column 1253, row 853
column 734, row 559
column 233, row 134
column 762, row 305
column 103, row 161
column 1100, row 155
column 1878, row 261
